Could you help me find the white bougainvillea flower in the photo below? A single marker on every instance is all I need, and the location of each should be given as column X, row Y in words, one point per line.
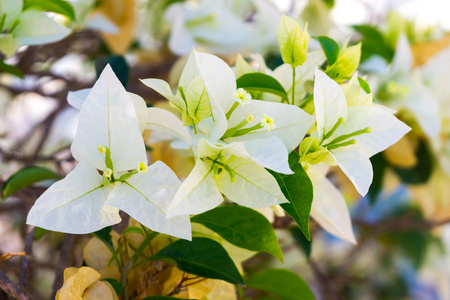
column 238, row 171
column 250, row 133
column 352, row 134
column 401, row 87
column 109, row 139
column 207, row 23
column 329, row 208
column 30, row 27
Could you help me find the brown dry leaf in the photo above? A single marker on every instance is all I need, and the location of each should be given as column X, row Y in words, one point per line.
column 96, row 253
column 123, row 14
column 401, row 154
column 423, row 51
column 180, row 164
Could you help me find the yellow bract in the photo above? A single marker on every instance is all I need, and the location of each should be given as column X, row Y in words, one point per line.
column 83, row 284
column 293, row 41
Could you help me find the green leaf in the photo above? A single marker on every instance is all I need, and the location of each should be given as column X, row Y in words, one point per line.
column 379, row 167
column 243, row 227
column 373, row 43
column 10, row 69
column 299, row 237
column 58, row 6
column 281, row 282
column 261, row 83
column 117, row 286
column 104, row 235
column 421, row 172
column 40, row 232
column 118, row 64
column 26, row 177
column 133, row 229
column 202, row 257
column 364, row 85
column 162, row 298
column 293, row 41
column 298, row 189
column 329, row 47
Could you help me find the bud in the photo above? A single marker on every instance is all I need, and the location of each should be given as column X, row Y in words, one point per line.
column 293, row 41
column 102, row 149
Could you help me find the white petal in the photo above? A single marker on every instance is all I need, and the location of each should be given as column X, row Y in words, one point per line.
column 140, row 107
column 356, row 165
column 329, row 102
column 254, row 186
column 162, row 120
column 36, row 28
column 12, row 10
column 291, row 122
column 75, row 204
column 386, row 129
column 76, row 98
column 218, row 78
column 160, row 86
column 146, row 197
column 402, row 61
column 269, row 153
column 330, row 210
column 197, row 194
column 108, row 118
column 181, row 40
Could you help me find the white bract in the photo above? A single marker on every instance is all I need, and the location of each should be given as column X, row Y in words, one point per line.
column 207, row 23
column 30, row 27
column 329, row 208
column 109, row 139
column 401, row 87
column 233, row 139
column 351, row 132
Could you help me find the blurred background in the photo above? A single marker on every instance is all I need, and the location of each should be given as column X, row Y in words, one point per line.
column 403, row 249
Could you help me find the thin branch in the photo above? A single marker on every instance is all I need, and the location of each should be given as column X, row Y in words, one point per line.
column 12, row 289
column 62, row 263
column 25, row 260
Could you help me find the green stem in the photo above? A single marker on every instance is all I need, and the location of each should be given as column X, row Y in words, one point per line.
column 293, row 86
column 131, row 262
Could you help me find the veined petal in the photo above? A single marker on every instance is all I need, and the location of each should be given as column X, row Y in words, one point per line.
column 356, row 165
column 77, row 98
column 198, row 192
column 160, row 86
column 162, row 120
column 269, row 153
column 36, row 28
column 108, row 118
column 291, row 122
column 146, row 197
column 386, row 129
column 75, row 204
column 254, row 186
column 329, row 102
column 330, row 210
column 218, row 78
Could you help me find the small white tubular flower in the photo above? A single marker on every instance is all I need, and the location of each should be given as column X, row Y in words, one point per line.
column 142, row 168
column 242, row 97
column 250, row 118
column 107, row 173
column 268, row 123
